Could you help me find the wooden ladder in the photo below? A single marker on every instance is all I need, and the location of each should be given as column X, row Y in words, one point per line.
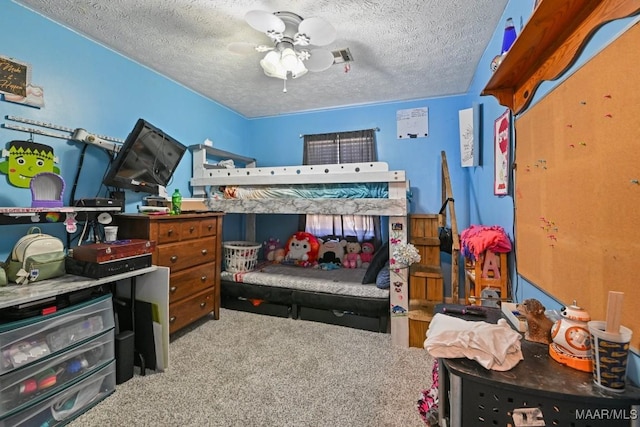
column 448, row 201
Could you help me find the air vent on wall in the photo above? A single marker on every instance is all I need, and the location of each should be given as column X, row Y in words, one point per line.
column 342, row 56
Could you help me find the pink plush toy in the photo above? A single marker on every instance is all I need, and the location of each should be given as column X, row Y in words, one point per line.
column 366, row 254
column 273, row 250
column 352, row 257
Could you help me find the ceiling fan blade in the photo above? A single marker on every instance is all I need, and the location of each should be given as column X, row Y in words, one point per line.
column 264, row 21
column 242, row 48
column 319, row 60
column 319, row 31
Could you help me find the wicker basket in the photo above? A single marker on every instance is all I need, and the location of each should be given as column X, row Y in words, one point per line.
column 240, row 256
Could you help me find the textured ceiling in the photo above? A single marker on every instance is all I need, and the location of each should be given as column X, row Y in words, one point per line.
column 401, row 50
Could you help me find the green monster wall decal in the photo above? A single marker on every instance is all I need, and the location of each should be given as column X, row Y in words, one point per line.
column 26, row 159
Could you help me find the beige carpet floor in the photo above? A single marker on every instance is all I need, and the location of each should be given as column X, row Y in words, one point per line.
column 255, row 370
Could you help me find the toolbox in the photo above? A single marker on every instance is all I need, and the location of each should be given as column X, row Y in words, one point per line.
column 104, row 252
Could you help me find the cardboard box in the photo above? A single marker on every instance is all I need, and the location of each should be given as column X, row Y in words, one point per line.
column 193, row 205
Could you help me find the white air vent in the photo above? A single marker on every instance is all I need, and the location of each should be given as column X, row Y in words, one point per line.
column 342, row 56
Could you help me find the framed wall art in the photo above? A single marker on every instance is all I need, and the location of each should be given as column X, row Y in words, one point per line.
column 502, row 143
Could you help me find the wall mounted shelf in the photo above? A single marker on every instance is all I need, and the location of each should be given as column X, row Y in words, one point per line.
column 549, row 44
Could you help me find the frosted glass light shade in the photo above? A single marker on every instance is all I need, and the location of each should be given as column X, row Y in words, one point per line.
column 272, row 67
column 288, row 59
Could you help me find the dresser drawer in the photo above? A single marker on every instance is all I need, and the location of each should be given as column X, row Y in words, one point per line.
column 189, row 229
column 191, row 281
column 209, row 227
column 168, row 231
column 191, row 309
column 179, row 256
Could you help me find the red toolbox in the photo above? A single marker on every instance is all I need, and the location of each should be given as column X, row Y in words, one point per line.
column 104, row 252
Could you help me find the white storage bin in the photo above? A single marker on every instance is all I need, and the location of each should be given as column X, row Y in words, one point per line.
column 62, row 407
column 26, row 341
column 22, row 387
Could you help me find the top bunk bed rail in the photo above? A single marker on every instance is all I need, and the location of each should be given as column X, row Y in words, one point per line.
column 208, row 177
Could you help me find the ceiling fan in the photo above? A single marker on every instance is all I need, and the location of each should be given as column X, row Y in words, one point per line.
column 291, row 54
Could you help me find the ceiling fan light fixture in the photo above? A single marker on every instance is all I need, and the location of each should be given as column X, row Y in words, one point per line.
column 272, row 66
column 289, row 59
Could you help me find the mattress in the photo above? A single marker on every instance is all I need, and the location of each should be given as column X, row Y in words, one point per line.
column 342, row 281
column 303, row 191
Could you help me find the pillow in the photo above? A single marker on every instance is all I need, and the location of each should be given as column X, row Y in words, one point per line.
column 378, row 261
column 383, row 281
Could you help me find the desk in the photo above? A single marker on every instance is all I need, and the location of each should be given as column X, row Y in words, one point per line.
column 152, row 285
column 473, row 395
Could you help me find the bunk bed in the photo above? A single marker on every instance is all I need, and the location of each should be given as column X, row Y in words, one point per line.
column 217, row 182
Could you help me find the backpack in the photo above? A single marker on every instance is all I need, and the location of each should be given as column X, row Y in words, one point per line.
column 36, row 256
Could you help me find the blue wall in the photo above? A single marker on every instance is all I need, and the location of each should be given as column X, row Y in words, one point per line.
column 485, row 208
column 88, row 86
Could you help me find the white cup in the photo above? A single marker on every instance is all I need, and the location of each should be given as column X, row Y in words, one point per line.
column 111, row 233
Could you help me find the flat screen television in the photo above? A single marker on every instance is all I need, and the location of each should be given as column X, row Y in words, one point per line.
column 146, row 160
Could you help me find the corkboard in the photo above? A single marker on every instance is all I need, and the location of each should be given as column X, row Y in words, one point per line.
column 577, row 193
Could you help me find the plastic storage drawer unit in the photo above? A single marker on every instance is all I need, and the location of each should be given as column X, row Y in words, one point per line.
column 22, row 387
column 64, row 406
column 29, row 340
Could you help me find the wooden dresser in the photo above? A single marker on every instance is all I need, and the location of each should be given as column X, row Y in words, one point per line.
column 191, row 246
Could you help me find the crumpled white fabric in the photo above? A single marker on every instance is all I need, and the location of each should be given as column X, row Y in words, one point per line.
column 494, row 346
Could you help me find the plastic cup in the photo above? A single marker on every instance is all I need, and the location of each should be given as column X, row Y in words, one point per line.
column 111, row 233
column 609, row 352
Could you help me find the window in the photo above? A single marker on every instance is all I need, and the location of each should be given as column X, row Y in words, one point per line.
column 344, row 147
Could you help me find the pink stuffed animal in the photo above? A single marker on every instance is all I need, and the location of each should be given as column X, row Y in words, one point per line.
column 366, row 255
column 273, row 250
column 352, row 257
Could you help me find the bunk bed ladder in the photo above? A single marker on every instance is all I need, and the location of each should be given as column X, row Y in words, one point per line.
column 447, row 200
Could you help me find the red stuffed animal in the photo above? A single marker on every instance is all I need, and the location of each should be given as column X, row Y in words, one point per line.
column 302, row 248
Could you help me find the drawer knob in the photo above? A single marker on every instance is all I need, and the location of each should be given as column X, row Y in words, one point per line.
column 170, row 231
column 204, row 252
column 173, row 289
column 174, row 258
column 203, row 304
column 203, row 278
column 172, row 319
column 210, row 227
column 191, row 229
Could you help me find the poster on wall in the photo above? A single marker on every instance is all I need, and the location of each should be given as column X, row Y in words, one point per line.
column 502, row 142
column 469, row 138
column 412, row 123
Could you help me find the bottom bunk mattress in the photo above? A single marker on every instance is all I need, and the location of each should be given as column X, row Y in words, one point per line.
column 341, row 281
column 331, row 296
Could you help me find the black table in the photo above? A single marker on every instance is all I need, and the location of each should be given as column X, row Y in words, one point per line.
column 471, row 395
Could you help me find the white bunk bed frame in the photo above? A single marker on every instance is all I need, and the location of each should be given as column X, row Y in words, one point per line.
column 206, row 175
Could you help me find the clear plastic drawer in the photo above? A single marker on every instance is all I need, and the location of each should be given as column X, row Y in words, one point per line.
column 22, row 387
column 29, row 340
column 64, row 406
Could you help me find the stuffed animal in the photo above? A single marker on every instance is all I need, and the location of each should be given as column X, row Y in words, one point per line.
column 352, row 258
column 273, row 250
column 366, row 254
column 331, row 250
column 538, row 324
column 302, row 248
